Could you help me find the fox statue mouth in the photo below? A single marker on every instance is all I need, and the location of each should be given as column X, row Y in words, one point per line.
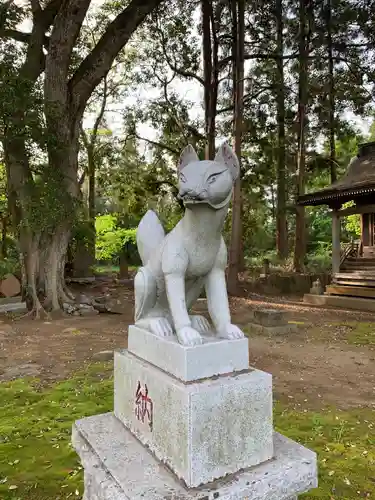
column 189, row 201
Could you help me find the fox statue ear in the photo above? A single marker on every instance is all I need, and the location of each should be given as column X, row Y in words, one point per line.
column 188, row 155
column 227, row 156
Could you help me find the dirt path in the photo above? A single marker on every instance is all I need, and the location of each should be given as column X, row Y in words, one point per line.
column 313, row 367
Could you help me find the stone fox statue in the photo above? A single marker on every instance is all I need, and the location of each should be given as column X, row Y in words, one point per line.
column 193, row 256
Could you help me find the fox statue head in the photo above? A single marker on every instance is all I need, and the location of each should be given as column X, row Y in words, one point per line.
column 207, row 182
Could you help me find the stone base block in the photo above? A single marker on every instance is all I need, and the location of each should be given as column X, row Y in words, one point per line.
column 272, row 330
column 118, row 467
column 13, row 306
column 213, row 357
column 270, row 317
column 202, row 430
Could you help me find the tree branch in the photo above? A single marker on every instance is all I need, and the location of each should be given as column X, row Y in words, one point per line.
column 19, row 36
column 97, row 64
column 157, row 144
column 174, row 68
column 100, row 115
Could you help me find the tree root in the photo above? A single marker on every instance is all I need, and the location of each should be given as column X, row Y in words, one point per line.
column 37, row 312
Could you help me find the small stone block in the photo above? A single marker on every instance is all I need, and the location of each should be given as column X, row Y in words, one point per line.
column 188, row 363
column 118, row 467
column 10, row 300
column 13, row 307
column 202, row 430
column 270, row 317
column 272, row 330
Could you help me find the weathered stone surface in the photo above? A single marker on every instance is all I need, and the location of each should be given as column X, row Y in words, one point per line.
column 13, row 307
column 213, row 357
column 118, row 467
column 270, row 317
column 86, row 310
column 10, row 300
column 272, row 330
column 103, row 356
column 317, row 288
column 10, row 286
column 203, row 430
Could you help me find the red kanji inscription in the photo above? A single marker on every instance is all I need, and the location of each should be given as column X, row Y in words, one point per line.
column 143, row 405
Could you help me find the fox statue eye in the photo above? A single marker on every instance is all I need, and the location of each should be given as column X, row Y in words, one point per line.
column 213, row 177
column 182, row 178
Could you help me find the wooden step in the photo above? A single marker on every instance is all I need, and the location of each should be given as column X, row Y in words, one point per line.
column 359, row 263
column 345, row 268
column 356, row 274
column 350, row 291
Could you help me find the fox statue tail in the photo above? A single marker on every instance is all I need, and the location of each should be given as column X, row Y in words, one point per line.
column 150, row 234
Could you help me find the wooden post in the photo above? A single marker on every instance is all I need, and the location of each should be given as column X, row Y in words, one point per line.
column 335, row 242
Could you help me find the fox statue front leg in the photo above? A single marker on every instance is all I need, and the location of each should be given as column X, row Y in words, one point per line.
column 174, row 265
column 186, row 334
column 217, row 299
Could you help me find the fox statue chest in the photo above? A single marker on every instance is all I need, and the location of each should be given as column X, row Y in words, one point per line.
column 192, row 256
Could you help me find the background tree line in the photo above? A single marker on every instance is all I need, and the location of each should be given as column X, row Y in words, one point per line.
column 97, row 101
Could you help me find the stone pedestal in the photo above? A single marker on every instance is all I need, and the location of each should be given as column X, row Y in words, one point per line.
column 189, row 422
column 203, row 430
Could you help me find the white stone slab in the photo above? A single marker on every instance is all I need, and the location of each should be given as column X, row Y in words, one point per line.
column 201, row 430
column 13, row 306
column 118, row 467
column 213, row 357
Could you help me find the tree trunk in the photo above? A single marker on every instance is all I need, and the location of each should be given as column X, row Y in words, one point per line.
column 210, row 76
column 281, row 221
column 300, row 235
column 238, row 34
column 4, row 236
column 331, row 93
column 91, row 209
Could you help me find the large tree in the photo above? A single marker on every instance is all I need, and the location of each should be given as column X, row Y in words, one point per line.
column 44, row 207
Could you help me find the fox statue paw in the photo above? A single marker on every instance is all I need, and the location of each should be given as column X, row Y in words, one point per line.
column 200, row 323
column 189, row 336
column 231, row 332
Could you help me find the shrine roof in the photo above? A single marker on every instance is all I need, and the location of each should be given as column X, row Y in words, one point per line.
column 358, row 181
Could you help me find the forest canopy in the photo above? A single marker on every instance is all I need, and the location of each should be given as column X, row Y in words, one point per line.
column 97, row 100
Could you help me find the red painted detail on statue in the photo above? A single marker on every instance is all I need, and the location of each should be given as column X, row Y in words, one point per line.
column 143, row 405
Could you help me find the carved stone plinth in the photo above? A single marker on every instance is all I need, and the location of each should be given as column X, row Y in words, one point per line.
column 118, row 467
column 203, row 430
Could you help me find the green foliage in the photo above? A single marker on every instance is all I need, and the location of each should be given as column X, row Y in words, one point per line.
column 320, row 260
column 37, row 461
column 352, row 223
column 9, row 265
column 48, row 204
column 112, row 240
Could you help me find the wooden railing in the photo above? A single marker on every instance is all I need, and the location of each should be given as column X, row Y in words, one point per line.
column 351, row 249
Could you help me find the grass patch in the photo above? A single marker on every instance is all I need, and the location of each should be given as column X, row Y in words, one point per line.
column 361, row 333
column 110, row 269
column 345, row 444
column 352, row 332
column 38, row 463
